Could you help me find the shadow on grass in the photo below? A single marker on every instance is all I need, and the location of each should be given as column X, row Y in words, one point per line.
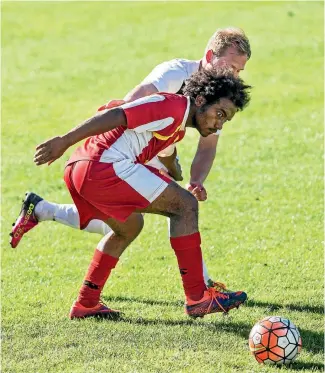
column 291, row 306
column 312, row 341
column 300, row 365
column 222, row 324
column 269, row 307
column 150, row 302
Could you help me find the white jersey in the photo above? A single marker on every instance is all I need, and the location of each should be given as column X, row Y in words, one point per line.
column 169, row 76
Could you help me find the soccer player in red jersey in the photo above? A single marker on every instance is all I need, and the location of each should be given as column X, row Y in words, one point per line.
column 109, row 179
column 227, row 47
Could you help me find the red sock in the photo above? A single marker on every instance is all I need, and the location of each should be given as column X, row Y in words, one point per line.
column 189, row 257
column 96, row 277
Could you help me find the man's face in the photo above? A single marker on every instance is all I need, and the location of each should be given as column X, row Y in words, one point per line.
column 210, row 118
column 231, row 59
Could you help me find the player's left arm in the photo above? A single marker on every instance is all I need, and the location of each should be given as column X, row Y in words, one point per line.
column 201, row 165
column 102, row 122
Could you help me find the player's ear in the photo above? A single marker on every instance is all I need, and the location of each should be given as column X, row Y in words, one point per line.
column 200, row 101
column 209, row 56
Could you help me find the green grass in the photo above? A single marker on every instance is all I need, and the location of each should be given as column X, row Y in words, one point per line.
column 262, row 226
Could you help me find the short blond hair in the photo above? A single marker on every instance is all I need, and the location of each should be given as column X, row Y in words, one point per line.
column 228, row 37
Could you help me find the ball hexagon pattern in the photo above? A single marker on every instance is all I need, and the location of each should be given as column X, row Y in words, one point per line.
column 275, row 340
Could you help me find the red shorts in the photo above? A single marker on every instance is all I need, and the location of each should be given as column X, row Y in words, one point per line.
column 112, row 190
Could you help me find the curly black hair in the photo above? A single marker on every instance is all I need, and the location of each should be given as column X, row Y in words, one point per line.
column 214, row 85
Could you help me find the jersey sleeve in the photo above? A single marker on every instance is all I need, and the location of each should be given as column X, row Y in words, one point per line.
column 155, row 112
column 167, row 77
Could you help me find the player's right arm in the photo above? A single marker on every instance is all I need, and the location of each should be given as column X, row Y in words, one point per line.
column 141, row 90
column 165, row 77
column 103, row 121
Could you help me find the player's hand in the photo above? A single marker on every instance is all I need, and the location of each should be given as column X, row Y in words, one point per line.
column 198, row 191
column 50, row 150
column 173, row 166
column 176, row 170
column 165, row 173
column 111, row 104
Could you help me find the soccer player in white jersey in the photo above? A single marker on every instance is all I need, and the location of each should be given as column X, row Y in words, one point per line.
column 109, row 178
column 227, row 47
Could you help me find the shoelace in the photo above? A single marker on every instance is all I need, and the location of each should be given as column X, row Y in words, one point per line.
column 214, row 293
column 219, row 286
column 102, row 303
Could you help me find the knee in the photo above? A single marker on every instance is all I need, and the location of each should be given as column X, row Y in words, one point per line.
column 138, row 226
column 132, row 228
column 191, row 205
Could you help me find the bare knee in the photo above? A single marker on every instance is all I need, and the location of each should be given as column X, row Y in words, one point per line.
column 192, row 204
column 136, row 228
column 185, row 221
column 130, row 229
column 188, row 206
column 174, row 202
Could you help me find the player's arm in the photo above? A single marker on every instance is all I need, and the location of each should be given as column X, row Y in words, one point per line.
column 201, row 165
column 104, row 121
column 170, row 160
column 141, row 90
column 165, row 77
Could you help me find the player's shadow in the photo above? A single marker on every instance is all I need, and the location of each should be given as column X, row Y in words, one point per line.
column 270, row 307
column 301, row 365
column 150, row 302
column 312, row 341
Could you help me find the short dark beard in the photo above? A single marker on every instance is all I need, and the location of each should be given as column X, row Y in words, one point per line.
column 198, row 111
column 194, row 122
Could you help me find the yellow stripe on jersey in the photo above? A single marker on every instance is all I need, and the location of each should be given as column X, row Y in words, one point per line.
column 165, row 138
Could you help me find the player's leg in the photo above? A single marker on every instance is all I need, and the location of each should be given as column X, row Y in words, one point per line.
column 105, row 259
column 182, row 209
column 173, row 202
column 142, row 189
column 170, row 155
column 93, row 188
column 35, row 209
column 67, row 214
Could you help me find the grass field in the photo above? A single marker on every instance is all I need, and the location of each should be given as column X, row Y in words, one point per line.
column 262, row 226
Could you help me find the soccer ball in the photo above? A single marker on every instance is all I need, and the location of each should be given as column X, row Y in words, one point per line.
column 275, row 340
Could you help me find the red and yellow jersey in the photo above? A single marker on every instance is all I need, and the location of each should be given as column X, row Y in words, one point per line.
column 153, row 123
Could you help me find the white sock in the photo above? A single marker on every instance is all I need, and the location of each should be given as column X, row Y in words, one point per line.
column 98, row 226
column 44, row 210
column 205, row 273
column 68, row 215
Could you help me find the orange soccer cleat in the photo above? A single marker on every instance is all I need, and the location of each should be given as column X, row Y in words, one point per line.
column 78, row 311
column 214, row 301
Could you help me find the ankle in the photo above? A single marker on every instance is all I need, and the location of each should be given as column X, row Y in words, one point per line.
column 44, row 210
column 88, row 297
column 87, row 303
column 194, row 297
